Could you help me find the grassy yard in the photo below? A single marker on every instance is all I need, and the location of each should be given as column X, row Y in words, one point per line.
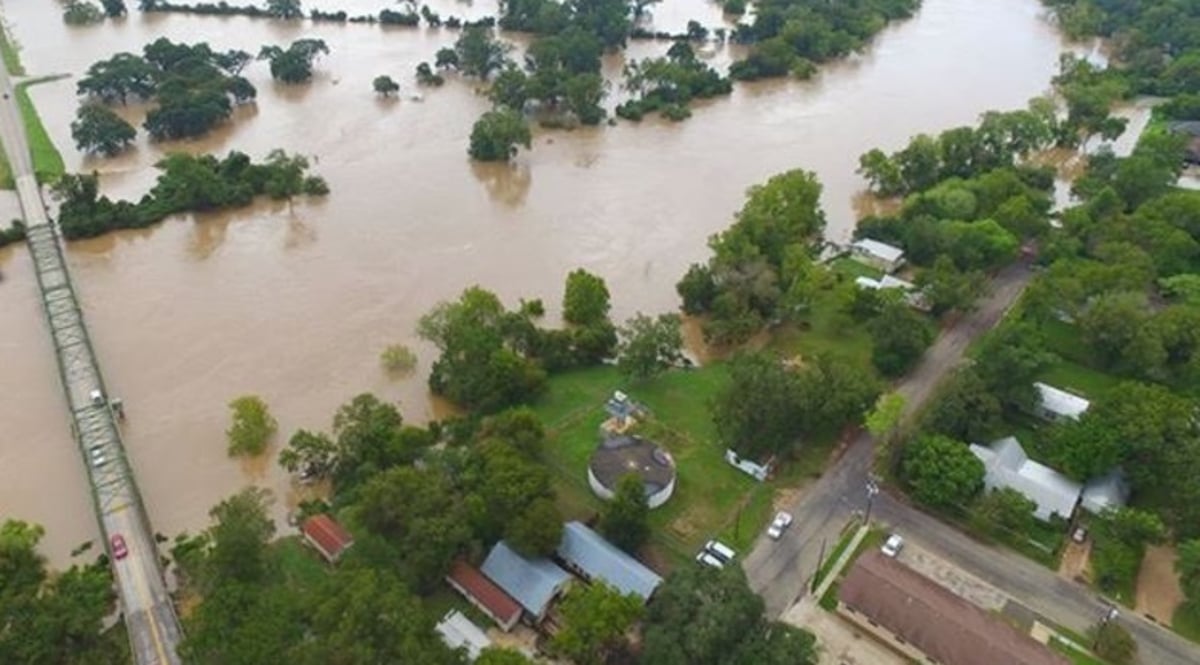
column 831, row 559
column 1186, row 621
column 1079, row 379
column 711, row 499
column 874, row 539
column 847, row 266
column 47, row 162
column 825, row 329
column 1075, row 656
column 301, row 567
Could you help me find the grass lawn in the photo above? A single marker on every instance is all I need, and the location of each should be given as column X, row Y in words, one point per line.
column 874, row 539
column 825, row 329
column 47, row 162
column 300, row 566
column 1079, row 379
column 1186, row 621
column 711, row 499
column 850, row 268
column 1075, row 656
column 8, row 51
column 842, row 544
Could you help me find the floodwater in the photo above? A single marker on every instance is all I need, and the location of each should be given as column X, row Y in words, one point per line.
column 295, row 302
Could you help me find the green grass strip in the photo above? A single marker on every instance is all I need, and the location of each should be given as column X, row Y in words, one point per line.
column 47, row 162
column 9, row 53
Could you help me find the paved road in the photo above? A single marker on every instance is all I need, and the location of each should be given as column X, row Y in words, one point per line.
column 1063, row 601
column 780, row 570
column 149, row 615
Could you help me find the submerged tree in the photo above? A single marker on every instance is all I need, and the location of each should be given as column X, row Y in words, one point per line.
column 384, row 86
column 294, row 65
column 98, row 129
column 496, row 135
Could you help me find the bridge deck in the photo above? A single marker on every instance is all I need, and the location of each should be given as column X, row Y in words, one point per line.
column 153, row 627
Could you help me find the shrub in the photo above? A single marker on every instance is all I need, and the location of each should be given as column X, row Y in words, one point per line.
column 398, row 358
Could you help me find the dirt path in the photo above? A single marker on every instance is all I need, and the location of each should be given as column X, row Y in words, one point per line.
column 1158, row 592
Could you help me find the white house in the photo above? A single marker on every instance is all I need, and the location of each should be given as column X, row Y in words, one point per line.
column 457, row 631
column 1057, row 405
column 911, row 295
column 1006, row 465
column 877, row 254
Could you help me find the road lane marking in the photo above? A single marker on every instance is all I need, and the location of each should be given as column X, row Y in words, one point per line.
column 141, row 591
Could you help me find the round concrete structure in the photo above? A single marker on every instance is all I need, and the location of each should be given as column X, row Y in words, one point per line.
column 622, row 454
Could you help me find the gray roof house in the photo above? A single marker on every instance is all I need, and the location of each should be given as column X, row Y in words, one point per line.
column 533, row 583
column 878, row 254
column 593, row 557
column 1055, row 404
column 1006, row 465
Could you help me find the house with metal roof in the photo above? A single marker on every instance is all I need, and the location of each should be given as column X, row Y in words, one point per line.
column 484, row 595
column 1056, row 405
column 588, row 554
column 912, row 295
column 1006, row 465
column 458, row 632
column 326, row 536
column 877, row 254
column 928, row 623
column 533, row 583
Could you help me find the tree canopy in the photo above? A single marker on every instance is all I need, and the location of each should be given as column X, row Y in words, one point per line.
column 942, row 472
column 98, row 129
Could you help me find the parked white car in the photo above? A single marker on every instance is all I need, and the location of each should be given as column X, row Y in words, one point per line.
column 719, row 551
column 706, row 558
column 780, row 524
column 893, row 546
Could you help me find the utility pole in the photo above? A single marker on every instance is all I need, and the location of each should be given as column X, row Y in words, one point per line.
column 872, row 490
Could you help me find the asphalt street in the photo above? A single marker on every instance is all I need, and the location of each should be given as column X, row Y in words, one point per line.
column 780, row 570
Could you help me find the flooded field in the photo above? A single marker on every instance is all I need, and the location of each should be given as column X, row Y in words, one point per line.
column 294, row 303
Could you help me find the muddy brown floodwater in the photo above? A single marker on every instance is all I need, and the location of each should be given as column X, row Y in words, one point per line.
column 294, row 303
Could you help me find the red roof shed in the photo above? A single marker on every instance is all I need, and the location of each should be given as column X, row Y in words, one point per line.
column 327, row 536
column 484, row 594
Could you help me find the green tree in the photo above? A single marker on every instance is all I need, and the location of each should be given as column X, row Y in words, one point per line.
column 585, row 298
column 595, row 621
column 252, row 428
column 942, row 472
column 309, row 453
column 366, row 615
column 624, row 519
column 899, row 337
column 964, row 409
column 754, row 414
column 496, row 135
column 1187, row 565
column 885, row 416
column 537, row 529
column 81, row 12
column 97, row 129
column 478, row 366
column 704, row 616
column 649, row 346
column 114, row 8
column 51, row 619
column 947, row 288
column 1007, row 510
column 419, row 514
column 295, row 64
column 384, row 86
column 238, row 540
column 479, row 52
column 285, row 9
column 1113, row 643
